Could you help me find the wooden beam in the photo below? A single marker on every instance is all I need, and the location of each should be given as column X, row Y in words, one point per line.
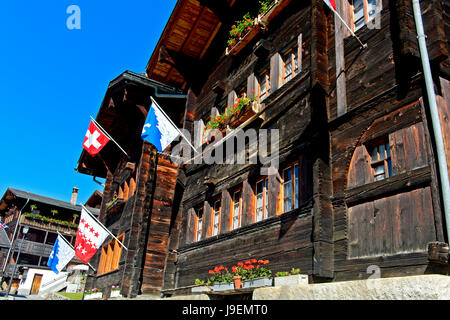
column 395, row 184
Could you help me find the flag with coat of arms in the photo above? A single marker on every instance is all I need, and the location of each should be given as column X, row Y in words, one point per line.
column 158, row 129
column 90, row 236
column 61, row 255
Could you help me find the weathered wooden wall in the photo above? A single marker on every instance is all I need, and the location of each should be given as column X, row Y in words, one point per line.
column 159, row 225
column 386, row 223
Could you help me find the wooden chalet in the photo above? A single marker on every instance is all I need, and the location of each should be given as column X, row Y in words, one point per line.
column 45, row 217
column 357, row 183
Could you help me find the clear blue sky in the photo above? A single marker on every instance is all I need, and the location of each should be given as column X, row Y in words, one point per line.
column 53, row 78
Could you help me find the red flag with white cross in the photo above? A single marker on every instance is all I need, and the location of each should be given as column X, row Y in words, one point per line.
column 95, row 140
column 90, row 236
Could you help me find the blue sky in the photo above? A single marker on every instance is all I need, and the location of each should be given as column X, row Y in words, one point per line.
column 54, row 78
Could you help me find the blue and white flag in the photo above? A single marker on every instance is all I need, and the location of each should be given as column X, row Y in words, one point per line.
column 61, row 254
column 158, row 130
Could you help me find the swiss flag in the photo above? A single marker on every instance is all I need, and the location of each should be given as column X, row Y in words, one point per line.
column 331, row 4
column 90, row 236
column 95, row 140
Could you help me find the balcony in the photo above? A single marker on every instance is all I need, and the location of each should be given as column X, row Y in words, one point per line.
column 53, row 225
column 34, row 248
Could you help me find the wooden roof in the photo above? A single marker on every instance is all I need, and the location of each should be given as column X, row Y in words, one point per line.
column 190, row 30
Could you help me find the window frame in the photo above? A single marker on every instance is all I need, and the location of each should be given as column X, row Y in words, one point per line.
column 198, row 222
column 295, row 192
column 290, row 52
column 365, row 9
column 265, row 73
column 213, row 220
column 265, row 203
column 385, row 162
column 233, row 204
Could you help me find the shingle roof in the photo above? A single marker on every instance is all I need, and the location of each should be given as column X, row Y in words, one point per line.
column 50, row 201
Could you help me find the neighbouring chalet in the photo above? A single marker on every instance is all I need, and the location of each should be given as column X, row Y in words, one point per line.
column 357, row 183
column 45, row 217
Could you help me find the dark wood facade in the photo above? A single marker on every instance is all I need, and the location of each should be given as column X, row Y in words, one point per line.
column 342, row 108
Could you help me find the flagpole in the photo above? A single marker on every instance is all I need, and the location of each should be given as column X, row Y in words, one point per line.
column 162, row 111
column 106, row 229
column 363, row 45
column 68, row 243
column 107, row 134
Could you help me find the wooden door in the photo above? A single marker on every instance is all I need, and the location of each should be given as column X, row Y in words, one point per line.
column 36, row 284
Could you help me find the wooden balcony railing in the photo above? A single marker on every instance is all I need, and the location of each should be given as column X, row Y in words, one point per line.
column 50, row 226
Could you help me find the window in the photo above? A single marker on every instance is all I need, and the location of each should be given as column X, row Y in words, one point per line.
column 290, row 188
column 236, row 216
column 381, row 161
column 264, row 85
column 291, row 63
column 216, row 218
column 363, row 12
column 198, row 224
column 110, row 256
column 262, row 204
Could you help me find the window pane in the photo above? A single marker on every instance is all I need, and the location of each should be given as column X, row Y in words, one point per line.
column 374, row 154
column 358, row 12
column 259, row 187
column 266, row 205
column 287, row 197
column 389, row 167
column 287, row 175
column 382, row 152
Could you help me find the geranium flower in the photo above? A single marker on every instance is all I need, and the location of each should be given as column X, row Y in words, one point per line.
column 248, row 262
column 211, row 271
column 254, row 260
column 240, row 264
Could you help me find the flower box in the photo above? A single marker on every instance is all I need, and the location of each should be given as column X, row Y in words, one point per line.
column 274, row 9
column 258, row 282
column 223, row 286
column 200, row 289
column 115, row 294
column 293, row 280
column 246, row 113
column 243, row 41
column 92, row 296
